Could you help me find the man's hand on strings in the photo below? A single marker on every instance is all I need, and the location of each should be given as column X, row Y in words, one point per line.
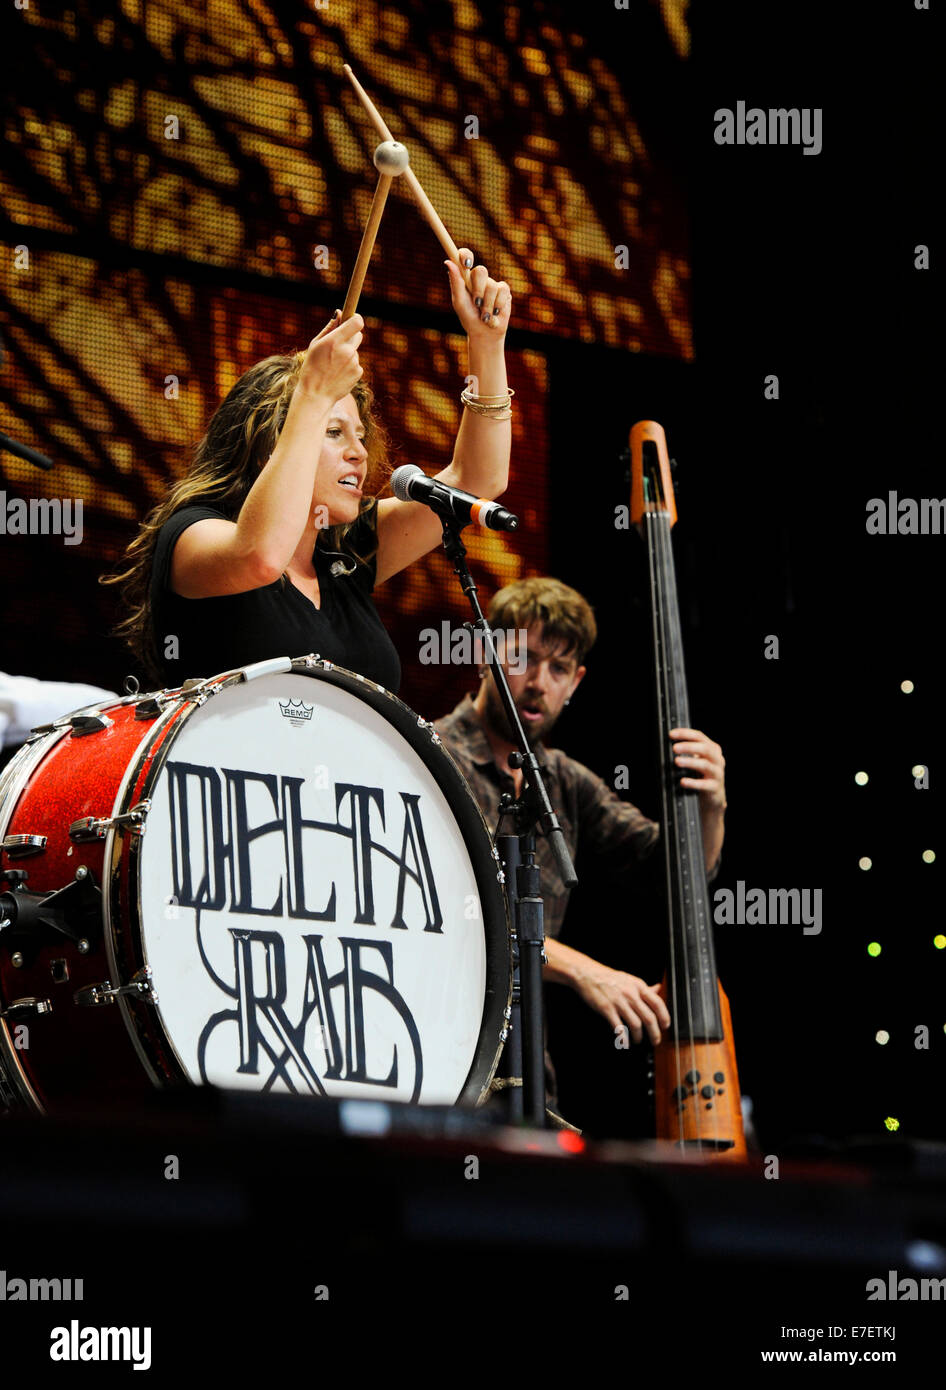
column 703, row 766
column 624, row 1000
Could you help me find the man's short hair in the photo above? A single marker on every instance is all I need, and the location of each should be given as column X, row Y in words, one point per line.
column 562, row 613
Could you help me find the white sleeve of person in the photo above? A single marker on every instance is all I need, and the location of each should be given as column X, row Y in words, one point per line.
column 26, row 702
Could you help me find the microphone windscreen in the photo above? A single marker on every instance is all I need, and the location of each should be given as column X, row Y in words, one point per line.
column 401, row 477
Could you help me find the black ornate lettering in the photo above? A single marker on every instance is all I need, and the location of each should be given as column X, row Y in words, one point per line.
column 210, row 891
column 295, row 824
column 361, row 843
column 415, row 841
column 199, row 870
column 260, row 994
column 357, row 981
column 242, row 836
column 251, row 1004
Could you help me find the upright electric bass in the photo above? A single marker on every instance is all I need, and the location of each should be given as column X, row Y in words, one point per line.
column 696, row 1085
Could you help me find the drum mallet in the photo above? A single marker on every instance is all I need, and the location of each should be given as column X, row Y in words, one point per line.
column 410, row 178
column 390, row 159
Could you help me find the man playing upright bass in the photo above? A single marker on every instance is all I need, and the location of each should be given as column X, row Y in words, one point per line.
column 560, row 630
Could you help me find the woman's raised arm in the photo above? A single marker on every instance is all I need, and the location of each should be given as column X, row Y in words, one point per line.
column 215, row 556
column 480, row 464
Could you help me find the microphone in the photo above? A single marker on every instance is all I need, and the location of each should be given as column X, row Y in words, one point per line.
column 411, row 484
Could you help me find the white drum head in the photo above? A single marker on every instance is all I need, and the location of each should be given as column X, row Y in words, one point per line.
column 308, row 904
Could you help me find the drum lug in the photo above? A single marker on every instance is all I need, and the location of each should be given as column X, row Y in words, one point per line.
column 89, row 828
column 83, row 724
column 83, row 831
column 19, row 846
column 151, row 706
column 139, row 986
column 19, row 1009
column 78, row 724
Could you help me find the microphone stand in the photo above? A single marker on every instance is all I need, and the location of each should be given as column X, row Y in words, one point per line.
column 532, row 809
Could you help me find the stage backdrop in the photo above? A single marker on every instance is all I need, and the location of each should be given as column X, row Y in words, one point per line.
column 184, row 190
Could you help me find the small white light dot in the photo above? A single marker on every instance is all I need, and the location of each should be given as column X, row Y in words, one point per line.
column 929, row 856
column 864, row 863
column 906, row 687
column 918, row 770
column 861, row 778
column 922, row 1254
column 882, row 1036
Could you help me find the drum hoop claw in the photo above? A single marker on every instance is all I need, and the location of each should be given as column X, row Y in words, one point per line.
column 139, row 986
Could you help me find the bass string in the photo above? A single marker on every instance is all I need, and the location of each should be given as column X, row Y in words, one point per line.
column 706, row 963
column 674, row 711
column 652, row 529
column 686, row 822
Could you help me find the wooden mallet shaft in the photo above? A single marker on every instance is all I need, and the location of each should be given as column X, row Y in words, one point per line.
column 423, row 202
column 367, row 245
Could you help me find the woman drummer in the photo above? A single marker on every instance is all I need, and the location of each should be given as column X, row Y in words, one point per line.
column 273, row 542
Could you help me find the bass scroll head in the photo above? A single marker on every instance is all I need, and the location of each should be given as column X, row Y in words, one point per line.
column 651, row 483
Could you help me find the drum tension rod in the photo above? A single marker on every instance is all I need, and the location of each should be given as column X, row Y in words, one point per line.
column 18, row 1010
column 89, row 828
column 73, row 911
column 138, row 987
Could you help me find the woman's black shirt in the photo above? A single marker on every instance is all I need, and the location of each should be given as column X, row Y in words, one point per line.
column 204, row 636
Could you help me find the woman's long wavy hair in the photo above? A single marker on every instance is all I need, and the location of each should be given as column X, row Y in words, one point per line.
column 241, row 436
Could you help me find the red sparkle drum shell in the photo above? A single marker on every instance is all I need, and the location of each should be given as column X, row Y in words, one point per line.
column 298, row 893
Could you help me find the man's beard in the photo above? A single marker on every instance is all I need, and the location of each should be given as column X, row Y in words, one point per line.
column 499, row 722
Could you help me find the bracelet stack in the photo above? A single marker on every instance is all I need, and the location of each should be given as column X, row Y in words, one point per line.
column 496, row 407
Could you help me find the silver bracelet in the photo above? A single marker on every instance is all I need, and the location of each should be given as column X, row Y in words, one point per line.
column 497, row 407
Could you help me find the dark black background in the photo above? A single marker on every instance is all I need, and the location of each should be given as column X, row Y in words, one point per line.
column 803, row 266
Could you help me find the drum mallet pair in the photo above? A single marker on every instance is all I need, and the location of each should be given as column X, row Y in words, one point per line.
column 392, row 160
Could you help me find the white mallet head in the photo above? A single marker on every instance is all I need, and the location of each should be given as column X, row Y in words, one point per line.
column 391, row 158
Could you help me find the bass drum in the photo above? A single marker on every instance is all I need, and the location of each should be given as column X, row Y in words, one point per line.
column 274, row 879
